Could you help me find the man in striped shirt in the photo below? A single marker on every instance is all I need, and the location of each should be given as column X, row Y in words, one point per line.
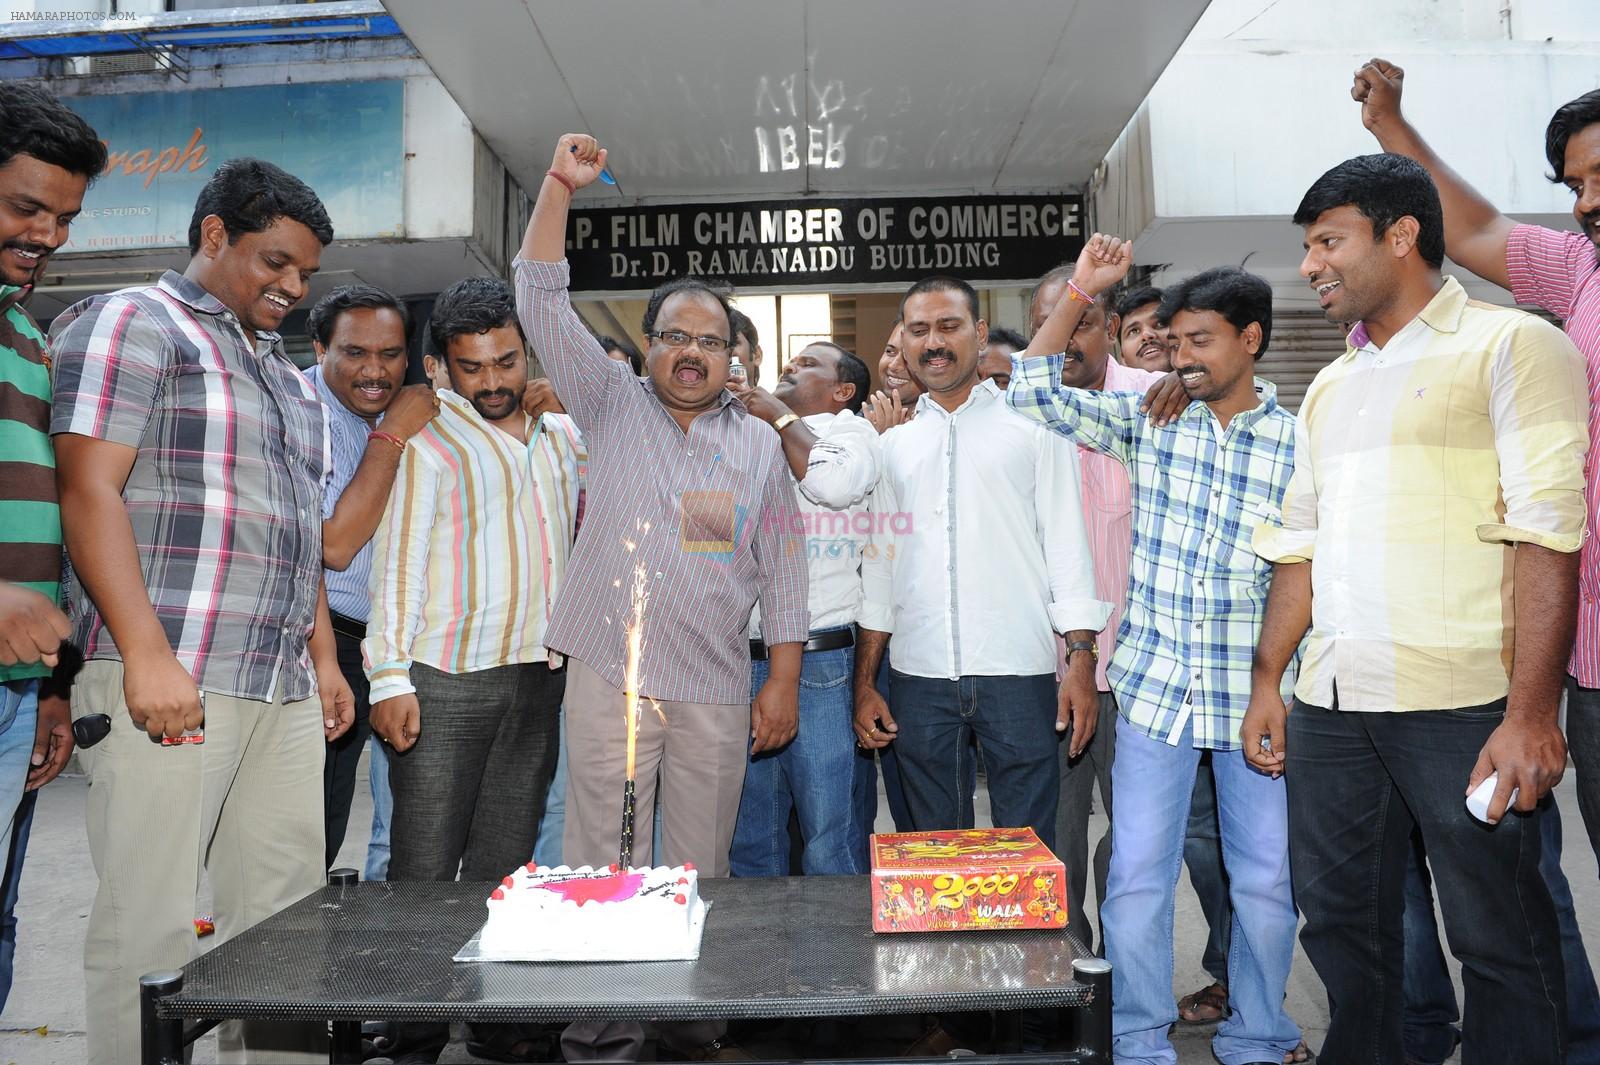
column 48, row 156
column 684, row 484
column 191, row 455
column 469, row 559
column 1181, row 670
column 359, row 335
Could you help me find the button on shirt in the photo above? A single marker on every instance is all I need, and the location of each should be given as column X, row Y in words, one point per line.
column 832, row 521
column 225, row 493
column 347, row 445
column 1418, row 466
column 978, row 551
column 1197, row 591
column 693, row 508
column 1560, row 272
column 471, row 552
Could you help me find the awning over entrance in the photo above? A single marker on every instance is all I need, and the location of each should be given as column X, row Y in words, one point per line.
column 731, row 99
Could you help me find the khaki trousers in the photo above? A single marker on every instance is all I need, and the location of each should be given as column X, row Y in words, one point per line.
column 246, row 805
column 699, row 752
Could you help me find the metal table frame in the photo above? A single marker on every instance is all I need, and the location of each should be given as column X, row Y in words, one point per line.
column 781, row 947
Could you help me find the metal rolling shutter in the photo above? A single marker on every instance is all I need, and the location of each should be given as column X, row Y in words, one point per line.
column 1302, row 344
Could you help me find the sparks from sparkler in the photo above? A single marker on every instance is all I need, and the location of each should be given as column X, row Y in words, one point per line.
column 632, row 703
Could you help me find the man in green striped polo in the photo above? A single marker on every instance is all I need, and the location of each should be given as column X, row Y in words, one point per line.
column 48, row 156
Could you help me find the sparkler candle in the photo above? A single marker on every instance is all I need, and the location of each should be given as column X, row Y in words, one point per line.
column 630, row 690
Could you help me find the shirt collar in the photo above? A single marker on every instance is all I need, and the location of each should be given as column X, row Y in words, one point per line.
column 10, row 296
column 1442, row 314
column 1266, row 392
column 983, row 393
column 188, row 291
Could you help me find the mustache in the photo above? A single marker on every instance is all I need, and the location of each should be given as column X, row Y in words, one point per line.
column 374, row 384
column 689, row 361
column 936, row 353
column 498, row 393
column 29, row 247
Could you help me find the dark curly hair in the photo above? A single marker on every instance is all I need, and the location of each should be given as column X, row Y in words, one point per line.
column 471, row 305
column 249, row 195
column 32, row 122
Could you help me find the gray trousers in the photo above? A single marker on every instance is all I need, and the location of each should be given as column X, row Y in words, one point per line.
column 1078, row 777
column 469, row 793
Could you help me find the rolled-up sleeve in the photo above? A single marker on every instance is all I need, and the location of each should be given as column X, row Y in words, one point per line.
column 1100, row 421
column 579, row 368
column 1538, row 404
column 110, row 361
column 1548, row 266
column 781, row 555
column 844, row 463
column 1291, row 536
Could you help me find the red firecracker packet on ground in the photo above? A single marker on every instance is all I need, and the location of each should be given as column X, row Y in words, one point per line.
column 977, row 879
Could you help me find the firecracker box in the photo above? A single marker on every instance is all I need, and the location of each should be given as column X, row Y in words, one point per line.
column 976, row 879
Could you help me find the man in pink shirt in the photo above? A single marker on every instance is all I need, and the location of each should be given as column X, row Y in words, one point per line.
column 1108, row 520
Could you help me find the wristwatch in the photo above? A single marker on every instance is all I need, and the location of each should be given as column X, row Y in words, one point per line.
column 1084, row 645
column 784, row 422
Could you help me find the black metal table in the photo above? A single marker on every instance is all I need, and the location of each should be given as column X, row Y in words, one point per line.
column 795, row 947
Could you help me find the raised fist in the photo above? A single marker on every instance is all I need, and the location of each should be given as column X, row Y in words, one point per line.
column 1377, row 90
column 579, row 158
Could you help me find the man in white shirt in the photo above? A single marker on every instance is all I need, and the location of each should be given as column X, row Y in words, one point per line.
column 977, row 557
column 834, row 457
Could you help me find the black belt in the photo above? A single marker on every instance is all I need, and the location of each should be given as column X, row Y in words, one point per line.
column 356, row 630
column 827, row 641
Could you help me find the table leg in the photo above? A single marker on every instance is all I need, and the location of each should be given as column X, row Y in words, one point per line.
column 160, row 1039
column 1090, row 1035
column 346, row 1046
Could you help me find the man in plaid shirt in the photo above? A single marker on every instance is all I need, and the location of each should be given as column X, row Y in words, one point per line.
column 1181, row 671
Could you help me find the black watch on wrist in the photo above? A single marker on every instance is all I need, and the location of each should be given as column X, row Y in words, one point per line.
column 1084, row 645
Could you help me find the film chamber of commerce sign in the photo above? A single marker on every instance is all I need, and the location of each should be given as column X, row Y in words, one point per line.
column 817, row 242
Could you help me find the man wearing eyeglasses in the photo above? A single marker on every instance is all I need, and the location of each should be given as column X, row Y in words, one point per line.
column 689, row 490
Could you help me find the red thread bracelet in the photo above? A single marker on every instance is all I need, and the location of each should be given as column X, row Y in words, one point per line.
column 379, row 434
column 1078, row 294
column 572, row 190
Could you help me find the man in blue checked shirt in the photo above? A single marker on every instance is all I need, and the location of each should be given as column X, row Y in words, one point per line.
column 1181, row 673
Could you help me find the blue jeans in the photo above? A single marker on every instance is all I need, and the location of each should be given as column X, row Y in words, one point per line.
column 547, row 851
column 21, row 826
column 1153, row 782
column 1431, row 1011
column 1202, row 853
column 868, row 764
column 19, row 714
column 813, row 775
column 382, row 813
column 1013, row 718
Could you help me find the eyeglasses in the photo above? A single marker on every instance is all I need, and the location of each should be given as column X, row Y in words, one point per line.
column 677, row 338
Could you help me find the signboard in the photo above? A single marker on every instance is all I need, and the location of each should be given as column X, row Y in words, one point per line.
column 344, row 139
column 793, row 243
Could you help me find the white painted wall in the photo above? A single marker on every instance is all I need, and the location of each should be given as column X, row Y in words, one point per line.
column 1256, row 105
column 439, row 158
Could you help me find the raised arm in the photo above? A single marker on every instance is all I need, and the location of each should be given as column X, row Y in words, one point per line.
column 579, row 368
column 1475, row 232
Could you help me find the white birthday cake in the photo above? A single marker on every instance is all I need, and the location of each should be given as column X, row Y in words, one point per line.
column 539, row 913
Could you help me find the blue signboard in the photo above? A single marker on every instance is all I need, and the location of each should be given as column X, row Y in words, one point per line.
column 344, row 139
